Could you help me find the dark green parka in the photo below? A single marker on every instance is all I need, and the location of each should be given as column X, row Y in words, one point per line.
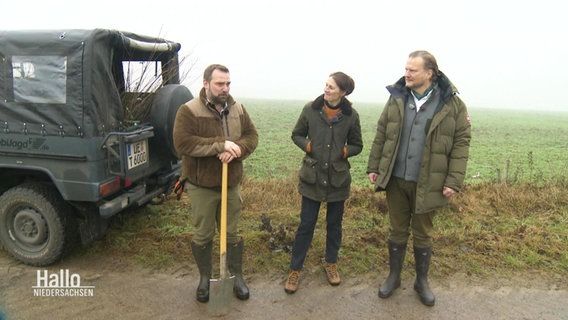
column 324, row 174
column 446, row 150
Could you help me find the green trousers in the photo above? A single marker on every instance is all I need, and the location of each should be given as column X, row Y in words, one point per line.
column 401, row 200
column 206, row 212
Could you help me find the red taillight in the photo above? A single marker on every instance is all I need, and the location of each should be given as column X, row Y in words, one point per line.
column 110, row 187
column 127, row 182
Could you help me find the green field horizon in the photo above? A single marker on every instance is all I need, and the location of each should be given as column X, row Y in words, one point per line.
column 507, row 145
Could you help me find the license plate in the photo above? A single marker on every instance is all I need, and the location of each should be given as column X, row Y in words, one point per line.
column 137, row 153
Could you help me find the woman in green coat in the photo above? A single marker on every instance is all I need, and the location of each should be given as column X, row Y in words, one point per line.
column 329, row 132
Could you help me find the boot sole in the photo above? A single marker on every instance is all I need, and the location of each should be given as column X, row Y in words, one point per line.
column 335, row 284
column 424, row 302
column 388, row 294
column 428, row 303
column 202, row 298
column 242, row 296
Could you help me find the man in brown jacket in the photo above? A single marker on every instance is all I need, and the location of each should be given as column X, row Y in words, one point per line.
column 209, row 130
column 419, row 156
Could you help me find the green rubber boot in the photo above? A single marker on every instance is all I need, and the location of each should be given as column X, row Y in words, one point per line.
column 202, row 255
column 235, row 262
column 396, row 260
column 422, row 257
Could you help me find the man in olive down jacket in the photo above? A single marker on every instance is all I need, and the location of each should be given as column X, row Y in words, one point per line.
column 419, row 156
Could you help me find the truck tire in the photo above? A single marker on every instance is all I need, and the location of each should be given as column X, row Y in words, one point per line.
column 163, row 114
column 36, row 226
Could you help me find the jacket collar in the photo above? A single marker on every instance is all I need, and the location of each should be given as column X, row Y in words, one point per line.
column 447, row 88
column 344, row 104
column 203, row 99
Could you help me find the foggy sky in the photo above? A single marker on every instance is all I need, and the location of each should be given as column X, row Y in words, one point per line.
column 499, row 54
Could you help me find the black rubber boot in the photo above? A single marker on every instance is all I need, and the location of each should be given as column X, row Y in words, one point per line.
column 396, row 259
column 422, row 256
column 235, row 262
column 202, row 255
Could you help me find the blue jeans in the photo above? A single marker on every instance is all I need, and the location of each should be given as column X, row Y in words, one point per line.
column 305, row 233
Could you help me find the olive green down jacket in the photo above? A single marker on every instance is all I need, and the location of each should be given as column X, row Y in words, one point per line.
column 324, row 174
column 446, row 150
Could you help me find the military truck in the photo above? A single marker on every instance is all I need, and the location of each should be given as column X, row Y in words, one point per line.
column 86, row 119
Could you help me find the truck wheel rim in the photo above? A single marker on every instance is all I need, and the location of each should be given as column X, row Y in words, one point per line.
column 29, row 227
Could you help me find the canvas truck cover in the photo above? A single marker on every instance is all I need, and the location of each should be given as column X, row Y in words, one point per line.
column 68, row 82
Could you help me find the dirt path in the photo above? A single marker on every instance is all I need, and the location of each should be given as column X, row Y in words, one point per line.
column 123, row 292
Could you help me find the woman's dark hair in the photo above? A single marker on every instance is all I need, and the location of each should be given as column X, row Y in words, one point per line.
column 344, row 82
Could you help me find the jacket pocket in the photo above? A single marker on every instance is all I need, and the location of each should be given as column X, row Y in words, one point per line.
column 308, row 170
column 340, row 176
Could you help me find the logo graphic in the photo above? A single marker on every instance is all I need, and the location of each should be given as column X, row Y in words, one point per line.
column 29, row 143
column 62, row 284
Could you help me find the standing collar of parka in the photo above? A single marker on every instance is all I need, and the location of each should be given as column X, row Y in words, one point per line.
column 447, row 88
column 344, row 104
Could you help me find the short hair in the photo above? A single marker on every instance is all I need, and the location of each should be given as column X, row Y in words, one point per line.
column 429, row 62
column 344, row 82
column 209, row 71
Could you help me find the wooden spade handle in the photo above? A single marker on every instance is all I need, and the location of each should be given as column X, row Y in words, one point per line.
column 223, row 227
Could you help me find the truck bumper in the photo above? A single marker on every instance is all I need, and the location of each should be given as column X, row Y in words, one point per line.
column 110, row 208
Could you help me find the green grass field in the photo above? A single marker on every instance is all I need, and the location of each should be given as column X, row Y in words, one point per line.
column 506, row 146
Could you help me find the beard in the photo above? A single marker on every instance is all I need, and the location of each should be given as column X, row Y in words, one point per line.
column 412, row 84
column 219, row 99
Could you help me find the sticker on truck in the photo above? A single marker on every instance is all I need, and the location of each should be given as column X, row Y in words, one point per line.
column 137, row 153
